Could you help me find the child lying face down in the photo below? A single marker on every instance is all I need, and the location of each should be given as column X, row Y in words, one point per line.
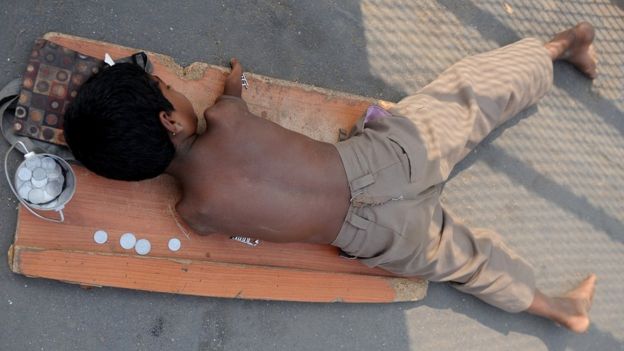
column 375, row 195
column 243, row 175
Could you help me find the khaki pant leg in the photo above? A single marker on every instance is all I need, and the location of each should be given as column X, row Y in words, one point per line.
column 478, row 262
column 451, row 115
column 471, row 98
column 475, row 261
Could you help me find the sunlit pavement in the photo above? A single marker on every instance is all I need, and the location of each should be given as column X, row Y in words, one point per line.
column 550, row 181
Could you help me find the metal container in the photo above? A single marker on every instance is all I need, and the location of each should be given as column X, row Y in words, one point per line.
column 42, row 182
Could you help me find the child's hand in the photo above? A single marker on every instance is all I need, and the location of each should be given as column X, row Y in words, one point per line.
column 233, row 85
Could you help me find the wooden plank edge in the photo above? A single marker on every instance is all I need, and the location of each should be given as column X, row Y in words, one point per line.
column 196, row 71
column 13, row 266
column 10, row 256
column 311, row 286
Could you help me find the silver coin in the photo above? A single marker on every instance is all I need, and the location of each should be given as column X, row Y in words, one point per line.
column 143, row 247
column 127, row 241
column 51, row 204
column 54, row 173
column 100, row 236
column 38, row 183
column 24, row 173
column 53, row 188
column 53, row 177
column 174, row 244
column 33, row 162
column 56, row 178
column 36, row 196
column 24, row 190
column 47, row 197
column 48, row 163
column 39, row 173
column 19, row 182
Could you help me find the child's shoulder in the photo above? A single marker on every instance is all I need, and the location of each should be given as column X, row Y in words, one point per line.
column 226, row 106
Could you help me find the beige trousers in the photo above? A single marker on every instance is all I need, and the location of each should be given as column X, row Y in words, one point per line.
column 396, row 166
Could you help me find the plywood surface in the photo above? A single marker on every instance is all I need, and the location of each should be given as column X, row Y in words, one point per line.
column 205, row 265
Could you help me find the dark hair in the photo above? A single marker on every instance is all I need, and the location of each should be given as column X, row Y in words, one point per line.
column 113, row 125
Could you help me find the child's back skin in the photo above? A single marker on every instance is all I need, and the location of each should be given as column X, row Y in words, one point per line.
column 248, row 176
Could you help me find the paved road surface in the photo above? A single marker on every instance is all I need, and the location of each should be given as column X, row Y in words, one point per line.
column 550, row 181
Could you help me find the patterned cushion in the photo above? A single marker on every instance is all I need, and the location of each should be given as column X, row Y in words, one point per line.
column 52, row 78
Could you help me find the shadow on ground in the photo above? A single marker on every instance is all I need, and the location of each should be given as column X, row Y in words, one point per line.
column 550, row 180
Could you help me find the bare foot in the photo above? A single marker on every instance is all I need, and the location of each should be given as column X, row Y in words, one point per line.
column 575, row 46
column 574, row 306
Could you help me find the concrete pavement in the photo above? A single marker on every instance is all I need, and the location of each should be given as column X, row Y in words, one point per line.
column 550, row 181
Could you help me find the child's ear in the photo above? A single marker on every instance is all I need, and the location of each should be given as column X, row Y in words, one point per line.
column 167, row 121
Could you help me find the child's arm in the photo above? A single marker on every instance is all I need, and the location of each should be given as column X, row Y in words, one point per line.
column 233, row 85
column 230, row 103
column 187, row 220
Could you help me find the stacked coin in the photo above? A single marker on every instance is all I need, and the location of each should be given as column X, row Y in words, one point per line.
column 39, row 180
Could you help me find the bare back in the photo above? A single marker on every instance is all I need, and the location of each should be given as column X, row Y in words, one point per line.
column 249, row 176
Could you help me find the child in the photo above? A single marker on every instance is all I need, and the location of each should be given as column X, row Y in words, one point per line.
column 374, row 195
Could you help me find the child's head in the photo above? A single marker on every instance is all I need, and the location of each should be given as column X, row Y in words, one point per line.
column 124, row 122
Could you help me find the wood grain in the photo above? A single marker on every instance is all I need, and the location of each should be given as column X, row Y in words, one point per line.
column 206, row 265
column 205, row 278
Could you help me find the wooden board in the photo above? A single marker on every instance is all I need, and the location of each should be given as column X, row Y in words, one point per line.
column 205, row 265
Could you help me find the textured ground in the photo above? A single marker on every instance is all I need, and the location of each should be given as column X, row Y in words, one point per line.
column 550, row 181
